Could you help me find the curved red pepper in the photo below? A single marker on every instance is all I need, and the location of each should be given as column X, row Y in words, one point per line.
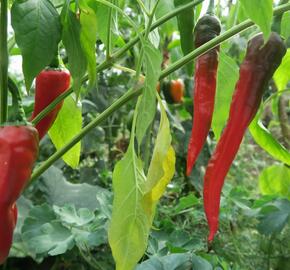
column 255, row 72
column 207, row 28
column 49, row 85
column 18, row 152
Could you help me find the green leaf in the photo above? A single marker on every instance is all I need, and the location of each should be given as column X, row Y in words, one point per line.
column 175, row 262
column 275, row 180
column 285, row 26
column 261, row 13
column 275, row 220
column 147, row 106
column 67, row 124
column 227, row 77
column 69, row 215
column 282, row 74
column 71, row 38
column 135, row 198
column 102, row 15
column 185, row 26
column 88, row 38
column 80, row 195
column 43, row 234
column 264, row 138
column 37, row 30
column 164, row 7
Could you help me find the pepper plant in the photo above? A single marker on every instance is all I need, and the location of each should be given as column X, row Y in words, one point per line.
column 130, row 47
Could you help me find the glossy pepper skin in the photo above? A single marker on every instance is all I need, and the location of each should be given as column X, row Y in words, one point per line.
column 207, row 28
column 18, row 152
column 49, row 85
column 256, row 70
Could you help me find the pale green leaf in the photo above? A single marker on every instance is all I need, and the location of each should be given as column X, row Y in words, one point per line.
column 67, row 124
column 227, row 77
column 37, row 28
column 282, row 74
column 275, row 180
column 88, row 38
column 147, row 106
column 265, row 139
column 261, row 13
column 135, row 197
column 129, row 227
column 285, row 25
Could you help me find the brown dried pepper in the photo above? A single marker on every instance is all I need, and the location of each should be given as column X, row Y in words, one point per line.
column 257, row 69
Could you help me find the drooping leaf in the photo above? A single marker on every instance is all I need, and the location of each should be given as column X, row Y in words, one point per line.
column 135, row 197
column 37, row 28
column 153, row 36
column 226, row 80
column 88, row 38
column 275, row 180
column 147, row 108
column 282, row 74
column 185, row 26
column 71, row 38
column 265, row 139
column 260, row 12
column 129, row 228
column 67, row 124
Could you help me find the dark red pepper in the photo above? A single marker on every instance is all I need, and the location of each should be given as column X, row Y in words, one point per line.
column 207, row 28
column 18, row 152
column 49, row 85
column 257, row 69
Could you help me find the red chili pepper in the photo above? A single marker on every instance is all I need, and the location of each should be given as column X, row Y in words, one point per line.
column 49, row 85
column 18, row 152
column 257, row 69
column 207, row 28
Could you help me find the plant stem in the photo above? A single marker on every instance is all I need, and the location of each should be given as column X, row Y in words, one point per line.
column 133, row 93
column 3, row 62
column 210, row 9
column 103, row 116
column 109, row 62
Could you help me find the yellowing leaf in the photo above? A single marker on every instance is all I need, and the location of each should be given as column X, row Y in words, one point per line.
column 135, row 197
column 282, row 75
column 129, row 229
column 67, row 124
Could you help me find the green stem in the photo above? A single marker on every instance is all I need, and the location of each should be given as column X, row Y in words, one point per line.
column 109, row 62
column 103, row 116
column 210, row 9
column 17, row 114
column 129, row 95
column 3, row 62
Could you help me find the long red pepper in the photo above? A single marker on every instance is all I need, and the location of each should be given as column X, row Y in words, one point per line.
column 257, row 69
column 207, row 28
column 18, row 152
column 49, row 85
